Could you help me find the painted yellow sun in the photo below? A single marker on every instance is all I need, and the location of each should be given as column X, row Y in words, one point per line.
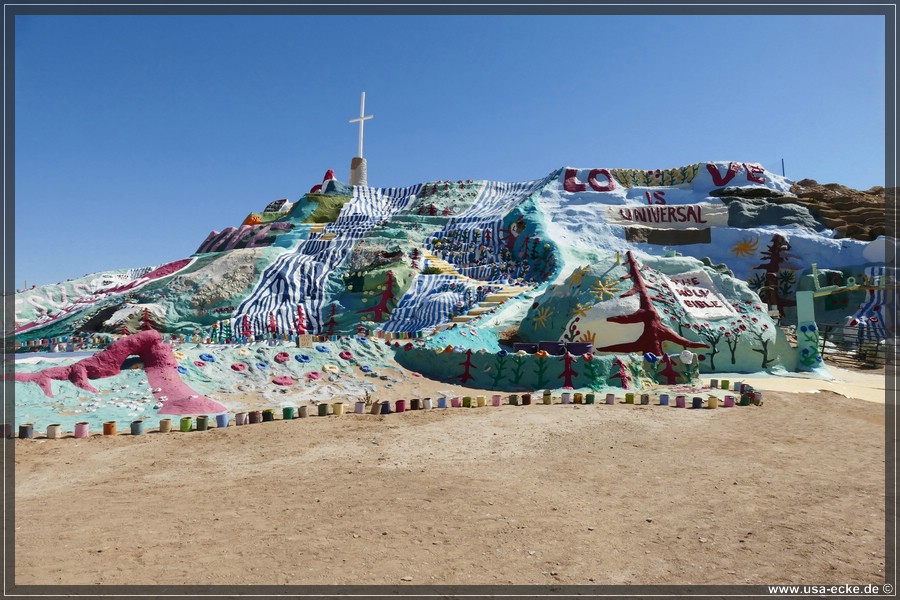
column 746, row 246
column 541, row 316
column 581, row 309
column 577, row 276
column 607, row 288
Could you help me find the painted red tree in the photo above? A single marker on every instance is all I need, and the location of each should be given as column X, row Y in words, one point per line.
column 777, row 257
column 668, row 371
column 654, row 333
column 146, row 320
column 300, row 321
column 331, row 323
column 568, row 372
column 273, row 326
column 124, row 330
column 621, row 373
column 382, row 307
column 467, row 374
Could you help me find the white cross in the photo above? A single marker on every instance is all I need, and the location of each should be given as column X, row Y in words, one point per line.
column 361, row 120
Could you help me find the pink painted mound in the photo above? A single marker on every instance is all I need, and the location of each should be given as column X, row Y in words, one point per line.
column 284, row 380
column 346, row 355
column 238, row 367
column 199, row 363
column 282, row 357
column 313, row 375
column 159, row 365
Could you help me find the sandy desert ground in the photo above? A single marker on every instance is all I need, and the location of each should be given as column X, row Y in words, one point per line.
column 788, row 492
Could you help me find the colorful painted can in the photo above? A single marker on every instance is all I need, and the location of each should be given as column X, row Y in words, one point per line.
column 589, row 398
column 202, row 422
column 746, row 388
column 480, row 400
column 663, row 399
column 548, row 399
column 427, row 404
column 268, row 415
column 359, row 408
column 26, row 431
column 165, row 425
column 400, row 406
column 526, row 399
column 697, row 402
column 109, row 428
column 337, row 408
column 712, row 402
column 496, row 400
column 455, row 402
column 724, row 384
column 714, row 383
column 645, row 399
column 728, row 402
column 629, row 398
column 413, row 404
column 240, row 418
column 186, row 424
column 375, row 409
column 737, row 386
column 82, row 429
column 578, row 397
column 442, row 402
column 756, row 398
column 137, row 427
column 254, row 417
column 323, row 409
column 745, row 399
column 514, row 399
column 565, row 398
column 287, row 413
column 222, row 420
column 54, row 431
column 610, row 398
column 386, row 407
column 680, row 401
column 467, row 401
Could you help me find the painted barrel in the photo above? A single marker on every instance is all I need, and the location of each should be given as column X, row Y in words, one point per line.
column 442, row 402
column 137, row 428
column 268, row 415
column 746, row 388
column 26, row 431
column 725, row 384
column 645, row 399
column 728, row 402
column 610, row 398
column 514, row 399
column 54, row 431
column 202, row 422
column 663, row 399
column 467, row 401
column 359, row 408
column 756, row 398
column 337, row 408
column 589, row 398
column 745, row 399
column 427, row 404
column 526, row 399
column 400, row 406
column 222, row 420
column 414, row 404
column 254, row 417
column 165, row 425
column 455, row 402
column 712, row 402
column 578, row 397
column 287, row 413
column 185, row 424
column 240, row 418
column 629, row 398
column 386, row 407
column 680, row 401
column 737, row 386
column 714, row 383
column 323, row 409
column 565, row 397
column 375, row 409
column 496, row 400
column 109, row 428
column 480, row 400
column 697, row 402
column 548, row 398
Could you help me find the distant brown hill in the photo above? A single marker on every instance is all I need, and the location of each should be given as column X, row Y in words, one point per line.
column 860, row 215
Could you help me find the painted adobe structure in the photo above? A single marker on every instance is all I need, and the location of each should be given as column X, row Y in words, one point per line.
column 632, row 262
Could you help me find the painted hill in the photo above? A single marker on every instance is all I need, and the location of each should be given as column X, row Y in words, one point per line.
column 434, row 260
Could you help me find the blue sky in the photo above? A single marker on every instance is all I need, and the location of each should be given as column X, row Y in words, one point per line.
column 138, row 135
